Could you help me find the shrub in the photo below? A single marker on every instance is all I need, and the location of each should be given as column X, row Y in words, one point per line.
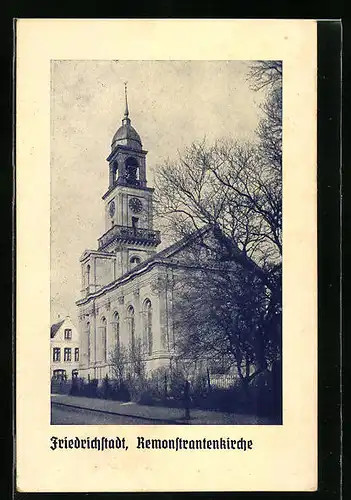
column 104, row 389
column 158, row 385
column 60, row 386
column 90, row 389
column 266, row 394
column 119, row 391
column 76, row 387
column 232, row 399
column 147, row 399
column 177, row 381
column 136, row 387
column 200, row 386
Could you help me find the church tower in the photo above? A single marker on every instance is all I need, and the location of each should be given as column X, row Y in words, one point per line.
column 129, row 238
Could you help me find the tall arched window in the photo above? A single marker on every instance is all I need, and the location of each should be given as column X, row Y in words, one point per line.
column 132, row 171
column 115, row 328
column 103, row 337
column 115, row 171
column 88, row 342
column 147, row 314
column 131, row 320
column 87, row 276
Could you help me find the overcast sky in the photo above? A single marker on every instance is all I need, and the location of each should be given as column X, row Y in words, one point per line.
column 171, row 104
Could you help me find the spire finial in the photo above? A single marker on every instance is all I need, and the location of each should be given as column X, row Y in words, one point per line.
column 126, row 112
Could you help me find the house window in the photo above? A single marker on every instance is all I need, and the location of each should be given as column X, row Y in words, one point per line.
column 76, row 354
column 67, row 354
column 147, row 310
column 56, row 356
column 68, row 333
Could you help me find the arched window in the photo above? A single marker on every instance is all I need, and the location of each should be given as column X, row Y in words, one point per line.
column 134, row 261
column 115, row 171
column 103, row 339
column 132, row 171
column 131, row 321
column 88, row 275
column 115, row 328
column 88, row 342
column 147, row 314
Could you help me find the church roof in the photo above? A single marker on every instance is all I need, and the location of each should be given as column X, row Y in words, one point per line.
column 164, row 256
column 55, row 328
column 178, row 245
column 126, row 135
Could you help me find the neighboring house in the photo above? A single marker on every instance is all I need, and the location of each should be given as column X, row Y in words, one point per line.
column 64, row 349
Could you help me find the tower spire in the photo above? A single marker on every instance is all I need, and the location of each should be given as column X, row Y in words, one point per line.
column 126, row 112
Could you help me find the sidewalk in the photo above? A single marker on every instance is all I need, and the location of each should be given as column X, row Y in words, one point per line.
column 158, row 413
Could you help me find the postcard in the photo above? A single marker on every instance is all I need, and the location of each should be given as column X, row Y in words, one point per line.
column 166, row 255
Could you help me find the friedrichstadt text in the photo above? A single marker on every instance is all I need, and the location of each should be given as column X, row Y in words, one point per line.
column 143, row 443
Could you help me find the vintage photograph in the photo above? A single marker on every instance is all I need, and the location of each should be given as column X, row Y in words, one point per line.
column 166, row 242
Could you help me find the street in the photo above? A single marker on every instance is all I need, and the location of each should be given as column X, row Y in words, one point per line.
column 74, row 410
column 67, row 415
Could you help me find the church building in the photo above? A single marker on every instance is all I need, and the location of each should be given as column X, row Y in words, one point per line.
column 127, row 286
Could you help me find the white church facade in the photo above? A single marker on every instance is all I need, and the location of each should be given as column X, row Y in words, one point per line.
column 127, row 286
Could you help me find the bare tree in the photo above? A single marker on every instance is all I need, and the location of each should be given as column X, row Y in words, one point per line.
column 235, row 189
column 118, row 361
column 265, row 75
column 136, row 361
column 227, row 187
column 221, row 315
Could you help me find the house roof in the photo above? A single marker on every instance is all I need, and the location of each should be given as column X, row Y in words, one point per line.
column 55, row 328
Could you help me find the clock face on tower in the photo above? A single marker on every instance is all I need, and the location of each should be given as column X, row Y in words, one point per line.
column 135, row 205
